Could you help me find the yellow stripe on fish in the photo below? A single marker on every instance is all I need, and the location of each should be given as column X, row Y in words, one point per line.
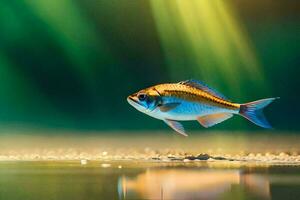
column 194, row 94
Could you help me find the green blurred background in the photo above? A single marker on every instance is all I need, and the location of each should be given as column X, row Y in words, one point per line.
column 70, row 64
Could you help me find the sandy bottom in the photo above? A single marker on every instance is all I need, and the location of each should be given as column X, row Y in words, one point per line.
column 149, row 165
column 235, row 148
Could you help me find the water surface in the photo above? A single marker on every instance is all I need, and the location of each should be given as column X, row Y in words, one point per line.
column 146, row 180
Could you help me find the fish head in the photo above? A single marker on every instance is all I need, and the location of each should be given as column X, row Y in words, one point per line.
column 145, row 100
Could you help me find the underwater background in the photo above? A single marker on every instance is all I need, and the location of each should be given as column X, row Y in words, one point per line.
column 70, row 65
column 67, row 67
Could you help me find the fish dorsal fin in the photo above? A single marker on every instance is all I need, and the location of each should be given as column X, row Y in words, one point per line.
column 202, row 86
column 176, row 126
column 213, row 119
column 168, row 106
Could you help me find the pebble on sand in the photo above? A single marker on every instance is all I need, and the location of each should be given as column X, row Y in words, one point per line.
column 83, row 162
column 105, row 165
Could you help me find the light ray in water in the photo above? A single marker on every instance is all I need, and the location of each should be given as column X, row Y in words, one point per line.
column 76, row 35
column 205, row 38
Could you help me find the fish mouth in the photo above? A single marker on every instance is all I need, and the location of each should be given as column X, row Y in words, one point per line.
column 133, row 100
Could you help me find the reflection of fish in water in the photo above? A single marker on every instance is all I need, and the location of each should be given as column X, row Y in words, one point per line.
column 190, row 184
column 193, row 100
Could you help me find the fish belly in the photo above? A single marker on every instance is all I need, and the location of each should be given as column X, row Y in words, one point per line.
column 187, row 111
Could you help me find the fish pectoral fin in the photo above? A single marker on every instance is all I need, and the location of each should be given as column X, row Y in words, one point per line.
column 177, row 126
column 213, row 119
column 168, row 106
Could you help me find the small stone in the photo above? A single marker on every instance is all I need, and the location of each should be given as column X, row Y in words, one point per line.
column 176, row 159
column 155, row 158
column 190, row 158
column 83, row 162
column 219, row 158
column 203, row 156
column 105, row 165
column 268, row 154
column 282, row 154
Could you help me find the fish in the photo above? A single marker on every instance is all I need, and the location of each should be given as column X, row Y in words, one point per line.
column 194, row 100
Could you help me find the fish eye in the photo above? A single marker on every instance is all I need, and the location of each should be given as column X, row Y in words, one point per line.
column 142, row 96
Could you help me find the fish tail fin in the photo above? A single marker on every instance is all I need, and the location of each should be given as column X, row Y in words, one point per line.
column 253, row 111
